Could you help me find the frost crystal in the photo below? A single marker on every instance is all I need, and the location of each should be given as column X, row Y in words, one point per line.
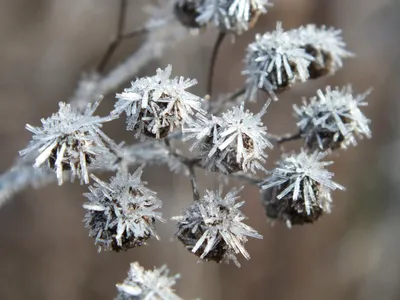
column 156, row 105
column 234, row 142
column 144, row 284
column 228, row 15
column 69, row 140
column 298, row 190
column 120, row 214
column 212, row 228
column 274, row 61
column 326, row 45
column 333, row 119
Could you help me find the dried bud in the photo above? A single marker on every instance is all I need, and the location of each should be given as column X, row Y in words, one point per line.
column 333, row 119
column 187, row 13
column 326, row 45
column 273, row 62
column 120, row 214
column 298, row 190
column 156, row 105
column 212, row 228
column 69, row 140
column 233, row 16
column 235, row 142
column 144, row 284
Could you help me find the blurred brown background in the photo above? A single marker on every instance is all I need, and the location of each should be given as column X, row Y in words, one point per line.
column 353, row 253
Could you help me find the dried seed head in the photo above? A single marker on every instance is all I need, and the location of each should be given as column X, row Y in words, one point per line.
column 326, row 45
column 187, row 13
column 234, row 142
column 274, row 62
column 69, row 140
column 212, row 228
column 233, row 16
column 144, row 284
column 120, row 215
column 156, row 105
column 298, row 190
column 333, row 119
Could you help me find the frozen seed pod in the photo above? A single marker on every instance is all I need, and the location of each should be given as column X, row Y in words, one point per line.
column 155, row 105
column 69, row 140
column 298, row 189
column 120, row 215
column 274, row 62
column 333, row 119
column 212, row 228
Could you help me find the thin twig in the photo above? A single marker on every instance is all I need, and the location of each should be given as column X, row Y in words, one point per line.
column 193, row 181
column 118, row 38
column 214, row 55
column 285, row 138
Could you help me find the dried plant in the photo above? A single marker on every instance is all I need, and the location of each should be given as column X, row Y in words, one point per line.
column 227, row 137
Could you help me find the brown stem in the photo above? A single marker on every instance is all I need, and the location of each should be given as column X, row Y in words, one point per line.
column 118, row 38
column 214, row 55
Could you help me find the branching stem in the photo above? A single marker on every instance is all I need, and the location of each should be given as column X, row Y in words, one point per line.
column 213, row 61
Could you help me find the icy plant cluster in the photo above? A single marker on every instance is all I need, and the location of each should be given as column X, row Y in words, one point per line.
column 227, row 139
column 155, row 105
column 299, row 188
column 276, row 60
column 227, row 15
column 234, row 142
column 121, row 214
column 212, row 227
column 147, row 285
column 69, row 140
column 333, row 119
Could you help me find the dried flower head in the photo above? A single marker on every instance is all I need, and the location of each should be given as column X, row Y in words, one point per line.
column 228, row 15
column 69, row 140
column 333, row 119
column 144, row 284
column 120, row 215
column 298, row 189
column 156, row 105
column 187, row 13
column 274, row 61
column 326, row 45
column 234, row 142
column 212, row 228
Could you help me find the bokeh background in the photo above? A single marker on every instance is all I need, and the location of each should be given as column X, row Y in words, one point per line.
column 353, row 253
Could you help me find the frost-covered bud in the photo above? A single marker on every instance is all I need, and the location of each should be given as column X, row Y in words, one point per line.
column 273, row 62
column 212, row 228
column 120, row 215
column 227, row 15
column 298, row 190
column 234, row 142
column 326, row 45
column 144, row 284
column 333, row 119
column 69, row 140
column 155, row 105
column 187, row 13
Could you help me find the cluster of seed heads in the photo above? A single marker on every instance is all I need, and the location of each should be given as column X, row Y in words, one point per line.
column 121, row 214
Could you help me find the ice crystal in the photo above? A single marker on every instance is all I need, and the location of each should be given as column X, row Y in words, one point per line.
column 333, row 119
column 299, row 188
column 234, row 142
column 69, row 140
column 212, row 228
column 156, row 105
column 120, row 214
column 274, row 61
column 228, row 15
column 144, row 284
column 326, row 45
